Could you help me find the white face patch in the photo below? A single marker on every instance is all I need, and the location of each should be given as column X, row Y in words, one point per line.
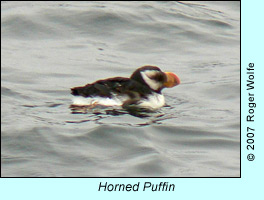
column 153, row 84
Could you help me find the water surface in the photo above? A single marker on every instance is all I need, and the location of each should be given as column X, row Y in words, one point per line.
column 49, row 47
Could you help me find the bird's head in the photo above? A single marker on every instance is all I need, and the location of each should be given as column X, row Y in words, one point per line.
column 154, row 78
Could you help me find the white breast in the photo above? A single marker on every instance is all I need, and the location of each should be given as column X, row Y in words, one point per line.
column 153, row 102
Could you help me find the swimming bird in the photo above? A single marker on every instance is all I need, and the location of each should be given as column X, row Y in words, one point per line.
column 142, row 90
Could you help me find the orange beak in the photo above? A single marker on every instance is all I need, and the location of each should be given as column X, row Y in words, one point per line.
column 172, row 80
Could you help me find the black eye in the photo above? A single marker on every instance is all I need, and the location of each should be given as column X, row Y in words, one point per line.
column 159, row 77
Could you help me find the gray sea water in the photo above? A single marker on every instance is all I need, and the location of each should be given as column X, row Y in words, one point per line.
column 49, row 47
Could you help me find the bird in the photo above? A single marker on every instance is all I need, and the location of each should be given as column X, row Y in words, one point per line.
column 141, row 91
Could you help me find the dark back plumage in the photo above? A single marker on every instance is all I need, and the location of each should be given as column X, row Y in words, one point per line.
column 111, row 86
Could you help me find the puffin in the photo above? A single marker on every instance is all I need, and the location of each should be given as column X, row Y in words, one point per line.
column 141, row 91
